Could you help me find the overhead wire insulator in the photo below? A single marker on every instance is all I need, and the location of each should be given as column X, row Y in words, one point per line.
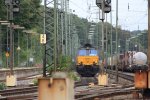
column 128, row 6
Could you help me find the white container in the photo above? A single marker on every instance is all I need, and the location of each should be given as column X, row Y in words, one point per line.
column 140, row 58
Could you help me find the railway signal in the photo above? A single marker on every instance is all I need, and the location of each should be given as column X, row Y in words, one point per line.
column 105, row 8
column 16, row 2
column 108, row 1
column 106, row 4
column 7, row 2
column 7, row 54
column 16, row 8
column 99, row 3
column 15, row 5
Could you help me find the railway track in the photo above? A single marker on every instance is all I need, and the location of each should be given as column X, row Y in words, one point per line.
column 97, row 94
column 24, row 80
column 103, row 92
column 19, row 93
column 88, row 93
column 30, row 93
column 86, row 81
column 21, row 74
column 124, row 75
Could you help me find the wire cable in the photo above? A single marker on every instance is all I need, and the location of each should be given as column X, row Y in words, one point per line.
column 77, row 6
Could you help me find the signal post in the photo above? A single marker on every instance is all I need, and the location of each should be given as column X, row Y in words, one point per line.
column 13, row 8
column 105, row 7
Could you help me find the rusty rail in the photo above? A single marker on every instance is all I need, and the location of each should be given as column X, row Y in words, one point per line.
column 109, row 91
column 30, row 96
column 128, row 76
column 104, row 94
column 29, row 93
column 85, row 81
column 19, row 93
column 5, row 72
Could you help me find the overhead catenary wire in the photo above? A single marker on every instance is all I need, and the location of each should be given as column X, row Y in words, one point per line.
column 130, row 12
column 78, row 6
column 137, row 22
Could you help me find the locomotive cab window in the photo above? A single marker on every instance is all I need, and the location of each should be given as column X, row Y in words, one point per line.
column 87, row 52
column 92, row 52
column 82, row 53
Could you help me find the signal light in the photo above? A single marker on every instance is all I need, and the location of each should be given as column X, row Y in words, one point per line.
column 108, row 1
column 7, row 54
column 16, row 2
column 7, row 49
column 16, row 6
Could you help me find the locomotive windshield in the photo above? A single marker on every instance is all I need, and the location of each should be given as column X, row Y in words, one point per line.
column 90, row 52
column 93, row 52
column 82, row 53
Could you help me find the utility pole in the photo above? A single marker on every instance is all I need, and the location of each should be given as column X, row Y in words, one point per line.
column 55, row 35
column 11, row 36
column 111, row 36
column 7, row 35
column 103, row 17
column 18, row 47
column 66, row 29
column 62, row 27
column 12, row 7
column 27, row 49
column 1, row 45
column 70, row 15
column 69, row 32
column 117, row 40
column 106, row 40
column 148, row 51
column 105, row 8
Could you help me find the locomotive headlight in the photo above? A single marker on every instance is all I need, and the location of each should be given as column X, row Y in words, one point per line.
column 81, row 63
column 94, row 63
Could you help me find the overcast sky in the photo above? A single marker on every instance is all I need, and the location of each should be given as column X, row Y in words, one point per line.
column 129, row 19
column 134, row 18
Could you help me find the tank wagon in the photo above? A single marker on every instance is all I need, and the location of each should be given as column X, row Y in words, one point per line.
column 128, row 61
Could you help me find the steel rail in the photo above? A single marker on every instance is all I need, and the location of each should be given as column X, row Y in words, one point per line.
column 122, row 75
column 105, row 94
column 15, row 91
column 29, row 96
column 113, row 91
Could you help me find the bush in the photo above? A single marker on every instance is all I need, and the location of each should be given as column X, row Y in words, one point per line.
column 63, row 65
column 2, row 86
column 73, row 76
column 35, row 82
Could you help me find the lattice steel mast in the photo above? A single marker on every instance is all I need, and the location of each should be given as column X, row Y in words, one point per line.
column 56, row 30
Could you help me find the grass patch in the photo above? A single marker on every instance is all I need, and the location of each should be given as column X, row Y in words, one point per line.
column 2, row 86
column 35, row 82
column 73, row 76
